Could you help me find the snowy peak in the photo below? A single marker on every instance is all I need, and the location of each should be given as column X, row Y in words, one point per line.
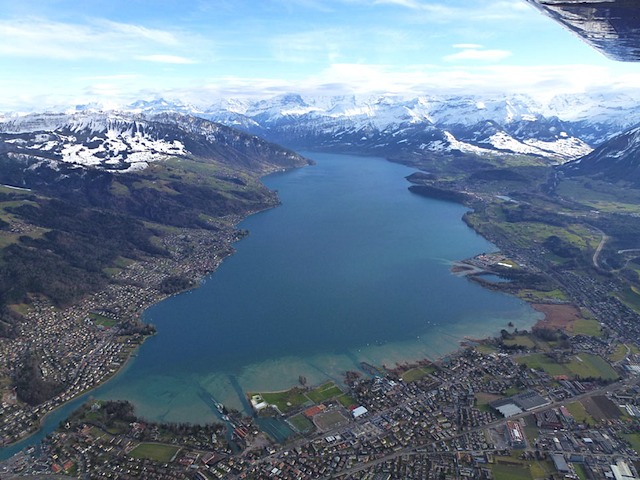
column 615, row 160
column 124, row 142
column 161, row 105
column 559, row 129
column 107, row 141
column 391, row 124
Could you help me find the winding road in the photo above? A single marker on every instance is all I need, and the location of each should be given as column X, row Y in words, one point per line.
column 601, row 245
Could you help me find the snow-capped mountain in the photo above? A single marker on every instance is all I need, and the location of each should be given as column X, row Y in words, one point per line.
column 390, row 124
column 126, row 142
column 618, row 159
column 560, row 129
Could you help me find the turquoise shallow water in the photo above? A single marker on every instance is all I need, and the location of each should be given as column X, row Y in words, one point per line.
column 352, row 267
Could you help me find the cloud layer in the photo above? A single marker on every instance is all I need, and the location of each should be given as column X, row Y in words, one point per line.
column 120, row 51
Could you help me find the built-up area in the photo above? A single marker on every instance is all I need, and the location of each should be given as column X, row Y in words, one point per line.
column 480, row 413
column 81, row 346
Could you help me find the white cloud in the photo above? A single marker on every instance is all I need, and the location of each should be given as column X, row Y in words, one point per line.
column 467, row 45
column 403, row 3
column 138, row 32
column 338, row 79
column 478, row 54
column 116, row 76
column 96, row 39
column 166, row 59
column 416, row 80
column 309, row 46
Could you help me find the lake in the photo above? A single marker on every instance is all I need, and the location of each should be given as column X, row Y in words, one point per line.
column 351, row 267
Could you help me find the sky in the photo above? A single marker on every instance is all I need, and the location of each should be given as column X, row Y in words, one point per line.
column 113, row 52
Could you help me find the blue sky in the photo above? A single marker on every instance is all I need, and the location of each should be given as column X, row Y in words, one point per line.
column 61, row 52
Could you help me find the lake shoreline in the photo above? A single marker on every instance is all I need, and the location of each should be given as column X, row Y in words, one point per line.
column 198, row 285
column 151, row 264
column 316, row 357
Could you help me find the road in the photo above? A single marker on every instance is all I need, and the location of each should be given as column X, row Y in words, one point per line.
column 601, row 245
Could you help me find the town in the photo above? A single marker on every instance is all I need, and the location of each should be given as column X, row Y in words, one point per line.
column 84, row 345
column 480, row 413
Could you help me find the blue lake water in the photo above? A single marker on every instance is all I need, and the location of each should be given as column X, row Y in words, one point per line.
column 352, row 267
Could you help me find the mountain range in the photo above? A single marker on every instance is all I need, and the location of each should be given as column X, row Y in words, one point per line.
column 563, row 128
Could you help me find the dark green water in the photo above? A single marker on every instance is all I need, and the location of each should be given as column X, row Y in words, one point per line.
column 352, row 267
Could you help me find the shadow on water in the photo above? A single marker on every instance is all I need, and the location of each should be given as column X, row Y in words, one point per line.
column 233, row 380
column 221, row 414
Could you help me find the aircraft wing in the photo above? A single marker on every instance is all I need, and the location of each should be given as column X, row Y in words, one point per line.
column 610, row 26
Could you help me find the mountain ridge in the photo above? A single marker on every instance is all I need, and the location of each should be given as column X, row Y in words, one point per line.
column 616, row 160
column 122, row 141
column 564, row 128
column 560, row 129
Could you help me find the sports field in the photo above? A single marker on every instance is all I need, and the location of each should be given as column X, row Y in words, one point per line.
column 155, row 451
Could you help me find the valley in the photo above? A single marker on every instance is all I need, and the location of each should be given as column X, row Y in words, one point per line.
column 567, row 237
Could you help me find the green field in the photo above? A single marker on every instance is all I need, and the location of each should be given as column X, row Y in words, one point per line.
column 155, row 451
column 582, row 475
column 118, row 265
column 102, row 320
column 531, row 429
column 619, row 353
column 634, row 440
column 631, row 298
column 513, row 468
column 583, row 365
column 541, row 296
column 301, row 423
column 575, row 234
column 7, row 237
column 503, row 471
column 513, row 391
column 483, row 398
column 486, row 349
column 416, row 374
column 540, row 361
column 324, row 392
column 580, row 413
column 600, row 196
column 288, row 400
column 588, row 365
column 520, row 340
column 346, row 400
column 20, row 308
column 586, row 327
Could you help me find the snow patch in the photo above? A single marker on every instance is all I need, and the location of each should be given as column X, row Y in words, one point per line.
column 114, row 140
column 563, row 149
